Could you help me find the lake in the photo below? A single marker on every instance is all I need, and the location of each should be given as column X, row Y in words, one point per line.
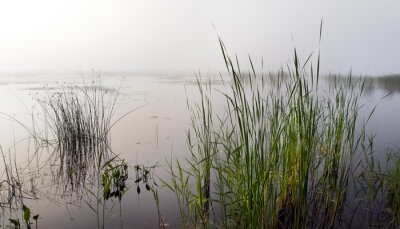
column 151, row 133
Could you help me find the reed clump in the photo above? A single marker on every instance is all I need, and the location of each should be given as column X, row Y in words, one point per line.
column 393, row 194
column 281, row 155
column 78, row 123
column 383, row 190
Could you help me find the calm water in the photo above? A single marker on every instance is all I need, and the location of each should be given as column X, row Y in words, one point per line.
column 151, row 135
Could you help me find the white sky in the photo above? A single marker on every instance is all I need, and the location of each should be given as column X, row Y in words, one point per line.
column 178, row 35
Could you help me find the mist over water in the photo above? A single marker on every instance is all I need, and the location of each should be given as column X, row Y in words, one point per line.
column 175, row 36
column 150, row 136
column 149, row 53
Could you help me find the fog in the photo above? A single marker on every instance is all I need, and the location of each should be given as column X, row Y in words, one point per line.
column 159, row 36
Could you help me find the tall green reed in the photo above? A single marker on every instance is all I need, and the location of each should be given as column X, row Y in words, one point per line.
column 392, row 192
column 281, row 155
column 380, row 183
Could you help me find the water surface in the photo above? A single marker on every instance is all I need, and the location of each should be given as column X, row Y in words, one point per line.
column 154, row 133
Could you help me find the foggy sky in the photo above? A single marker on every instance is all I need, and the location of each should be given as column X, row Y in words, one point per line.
column 179, row 35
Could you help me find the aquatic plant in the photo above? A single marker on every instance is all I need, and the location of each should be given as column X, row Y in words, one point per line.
column 26, row 215
column 78, row 120
column 114, row 176
column 144, row 175
column 13, row 184
column 393, row 194
column 381, row 186
column 281, row 155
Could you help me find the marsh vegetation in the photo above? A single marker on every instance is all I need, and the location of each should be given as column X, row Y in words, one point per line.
column 284, row 154
column 284, row 150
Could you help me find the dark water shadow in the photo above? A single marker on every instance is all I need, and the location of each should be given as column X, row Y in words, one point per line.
column 389, row 84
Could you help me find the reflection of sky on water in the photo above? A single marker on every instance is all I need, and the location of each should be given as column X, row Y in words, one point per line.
column 150, row 135
column 140, row 138
column 386, row 120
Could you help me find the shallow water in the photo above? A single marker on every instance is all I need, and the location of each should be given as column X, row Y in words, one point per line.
column 154, row 133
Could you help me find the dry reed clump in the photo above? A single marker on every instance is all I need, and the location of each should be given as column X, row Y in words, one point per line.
column 79, row 121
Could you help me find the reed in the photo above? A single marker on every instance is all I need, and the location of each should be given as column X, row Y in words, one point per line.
column 392, row 194
column 78, row 120
column 281, row 155
column 381, row 185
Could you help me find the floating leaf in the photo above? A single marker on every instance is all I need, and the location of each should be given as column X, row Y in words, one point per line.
column 15, row 222
column 27, row 212
column 138, row 189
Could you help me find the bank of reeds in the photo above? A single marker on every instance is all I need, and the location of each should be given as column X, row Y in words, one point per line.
column 281, row 155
